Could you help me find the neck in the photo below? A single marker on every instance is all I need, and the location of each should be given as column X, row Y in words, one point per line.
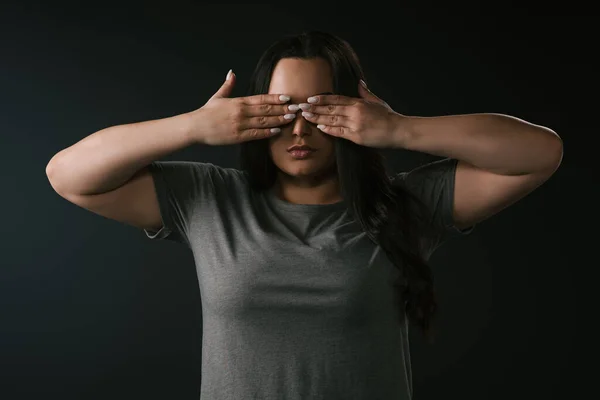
column 308, row 190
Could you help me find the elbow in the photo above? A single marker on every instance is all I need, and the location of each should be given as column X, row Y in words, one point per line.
column 557, row 150
column 554, row 152
column 50, row 169
column 53, row 173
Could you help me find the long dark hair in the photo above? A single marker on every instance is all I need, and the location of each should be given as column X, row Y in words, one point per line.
column 384, row 210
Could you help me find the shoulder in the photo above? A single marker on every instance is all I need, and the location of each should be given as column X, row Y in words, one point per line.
column 198, row 172
column 427, row 176
column 431, row 186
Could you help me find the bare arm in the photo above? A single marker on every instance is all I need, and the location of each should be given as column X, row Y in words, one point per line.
column 501, row 158
column 110, row 157
column 107, row 171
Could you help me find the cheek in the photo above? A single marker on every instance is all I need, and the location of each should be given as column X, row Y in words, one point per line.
column 277, row 150
column 275, row 145
column 328, row 146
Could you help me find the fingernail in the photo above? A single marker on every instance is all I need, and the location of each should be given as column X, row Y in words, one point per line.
column 289, row 116
column 293, row 107
column 307, row 114
column 229, row 74
column 304, row 106
column 364, row 84
column 313, row 99
column 275, row 130
column 283, row 97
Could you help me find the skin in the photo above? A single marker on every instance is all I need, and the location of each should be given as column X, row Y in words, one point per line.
column 501, row 158
column 312, row 180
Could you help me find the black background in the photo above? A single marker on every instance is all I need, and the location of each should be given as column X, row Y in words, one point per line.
column 91, row 309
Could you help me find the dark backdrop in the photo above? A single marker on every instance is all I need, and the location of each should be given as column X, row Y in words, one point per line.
column 91, row 309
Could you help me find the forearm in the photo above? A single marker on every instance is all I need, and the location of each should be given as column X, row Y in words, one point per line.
column 108, row 158
column 497, row 143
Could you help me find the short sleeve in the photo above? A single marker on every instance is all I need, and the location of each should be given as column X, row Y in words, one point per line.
column 433, row 185
column 182, row 187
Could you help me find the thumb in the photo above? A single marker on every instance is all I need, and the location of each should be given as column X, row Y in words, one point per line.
column 366, row 94
column 227, row 86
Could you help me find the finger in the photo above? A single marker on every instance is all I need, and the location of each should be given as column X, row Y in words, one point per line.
column 267, row 109
column 258, row 133
column 227, row 86
column 366, row 94
column 339, row 131
column 327, row 110
column 331, row 99
column 266, row 99
column 330, row 120
column 265, row 122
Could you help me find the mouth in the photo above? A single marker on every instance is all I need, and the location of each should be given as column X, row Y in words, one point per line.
column 300, row 152
column 300, row 147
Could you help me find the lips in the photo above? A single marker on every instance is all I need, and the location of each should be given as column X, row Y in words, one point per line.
column 300, row 148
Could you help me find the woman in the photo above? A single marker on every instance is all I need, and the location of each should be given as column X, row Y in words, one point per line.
column 310, row 259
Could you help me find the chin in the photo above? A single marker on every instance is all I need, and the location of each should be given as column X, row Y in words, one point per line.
column 315, row 166
column 301, row 171
column 305, row 168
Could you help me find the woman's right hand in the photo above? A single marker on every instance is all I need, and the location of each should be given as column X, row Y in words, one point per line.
column 225, row 121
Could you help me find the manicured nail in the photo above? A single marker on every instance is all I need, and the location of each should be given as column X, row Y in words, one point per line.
column 364, row 84
column 304, row 106
column 307, row 114
column 293, row 107
column 289, row 116
column 229, row 74
column 321, row 127
column 313, row 99
column 283, row 97
column 275, row 130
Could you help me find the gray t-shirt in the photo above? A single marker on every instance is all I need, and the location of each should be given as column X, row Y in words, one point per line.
column 297, row 302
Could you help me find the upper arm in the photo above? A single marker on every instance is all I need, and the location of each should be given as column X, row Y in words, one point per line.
column 134, row 203
column 432, row 185
column 479, row 194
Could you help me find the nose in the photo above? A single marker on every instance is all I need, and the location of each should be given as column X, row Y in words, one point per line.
column 301, row 127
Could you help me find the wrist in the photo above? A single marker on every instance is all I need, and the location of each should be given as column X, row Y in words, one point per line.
column 193, row 126
column 402, row 131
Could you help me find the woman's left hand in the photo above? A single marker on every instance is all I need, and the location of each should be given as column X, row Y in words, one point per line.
column 367, row 121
